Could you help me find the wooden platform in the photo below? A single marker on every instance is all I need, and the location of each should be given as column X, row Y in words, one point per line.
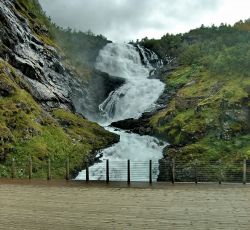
column 61, row 205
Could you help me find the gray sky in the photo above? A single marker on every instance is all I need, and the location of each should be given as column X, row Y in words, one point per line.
column 124, row 20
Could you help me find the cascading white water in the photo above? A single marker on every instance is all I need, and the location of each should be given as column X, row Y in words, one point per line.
column 139, row 149
column 137, row 95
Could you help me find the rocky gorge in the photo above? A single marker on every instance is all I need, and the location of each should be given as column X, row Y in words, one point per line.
column 189, row 90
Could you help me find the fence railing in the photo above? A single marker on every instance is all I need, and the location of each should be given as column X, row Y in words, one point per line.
column 172, row 170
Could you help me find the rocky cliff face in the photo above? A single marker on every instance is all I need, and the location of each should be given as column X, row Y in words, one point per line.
column 87, row 98
column 39, row 95
column 48, row 80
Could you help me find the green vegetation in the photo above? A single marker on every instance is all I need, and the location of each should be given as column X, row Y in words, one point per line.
column 222, row 50
column 209, row 115
column 207, row 118
column 40, row 24
column 80, row 49
column 27, row 130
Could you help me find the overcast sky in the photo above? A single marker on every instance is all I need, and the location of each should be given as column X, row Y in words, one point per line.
column 124, row 20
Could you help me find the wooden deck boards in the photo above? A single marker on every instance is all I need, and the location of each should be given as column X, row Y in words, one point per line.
column 188, row 206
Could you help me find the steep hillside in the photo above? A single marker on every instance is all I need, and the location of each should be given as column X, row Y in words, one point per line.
column 37, row 97
column 207, row 76
column 78, row 52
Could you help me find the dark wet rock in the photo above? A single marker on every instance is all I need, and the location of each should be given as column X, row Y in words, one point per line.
column 110, row 83
column 148, row 57
column 140, row 126
column 47, row 79
column 98, row 88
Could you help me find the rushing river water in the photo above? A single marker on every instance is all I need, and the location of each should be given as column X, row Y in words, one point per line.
column 137, row 95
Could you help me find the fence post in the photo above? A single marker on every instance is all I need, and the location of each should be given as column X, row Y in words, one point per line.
column 244, row 171
column 220, row 173
column 150, row 171
column 195, row 172
column 107, row 171
column 13, row 168
column 49, row 170
column 166, row 170
column 128, row 171
column 30, row 168
column 173, row 170
column 67, row 169
column 87, row 171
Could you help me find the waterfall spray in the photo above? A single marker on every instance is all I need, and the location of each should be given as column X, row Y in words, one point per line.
column 137, row 95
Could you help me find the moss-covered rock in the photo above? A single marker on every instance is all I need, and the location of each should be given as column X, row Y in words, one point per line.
column 34, row 84
column 208, row 117
column 38, row 21
column 27, row 130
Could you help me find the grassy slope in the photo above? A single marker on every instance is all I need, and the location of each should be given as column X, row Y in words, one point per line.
column 209, row 116
column 206, row 118
column 26, row 130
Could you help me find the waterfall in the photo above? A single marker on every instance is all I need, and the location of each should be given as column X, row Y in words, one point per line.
column 137, row 95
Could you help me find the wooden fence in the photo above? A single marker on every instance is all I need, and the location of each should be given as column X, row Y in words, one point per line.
column 153, row 171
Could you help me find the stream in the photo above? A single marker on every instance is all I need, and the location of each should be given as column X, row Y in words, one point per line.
column 137, row 95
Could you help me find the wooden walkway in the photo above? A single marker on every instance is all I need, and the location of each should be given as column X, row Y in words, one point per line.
column 78, row 206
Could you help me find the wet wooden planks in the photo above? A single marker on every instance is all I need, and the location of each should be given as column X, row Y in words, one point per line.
column 98, row 207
